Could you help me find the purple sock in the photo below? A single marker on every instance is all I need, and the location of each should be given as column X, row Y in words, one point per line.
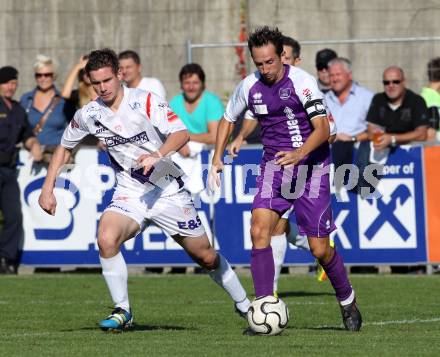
column 338, row 277
column 263, row 271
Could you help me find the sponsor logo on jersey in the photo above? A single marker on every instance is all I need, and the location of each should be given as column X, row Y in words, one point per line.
column 134, row 105
column 293, row 127
column 257, row 98
column 99, row 127
column 119, row 140
column 307, row 93
column 285, row 93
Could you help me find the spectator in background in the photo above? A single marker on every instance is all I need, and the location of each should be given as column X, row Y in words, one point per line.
column 323, row 57
column 81, row 96
column 431, row 95
column 85, row 92
column 48, row 112
column 131, row 70
column 199, row 109
column 348, row 102
column 14, row 128
column 398, row 111
column 399, row 116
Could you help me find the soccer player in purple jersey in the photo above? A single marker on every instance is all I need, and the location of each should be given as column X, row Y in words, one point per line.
column 294, row 132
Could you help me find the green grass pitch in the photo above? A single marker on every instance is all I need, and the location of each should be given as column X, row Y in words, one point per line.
column 188, row 315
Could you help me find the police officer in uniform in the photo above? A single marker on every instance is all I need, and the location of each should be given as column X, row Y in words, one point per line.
column 14, row 129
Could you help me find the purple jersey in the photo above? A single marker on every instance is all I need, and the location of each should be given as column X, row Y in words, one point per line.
column 284, row 109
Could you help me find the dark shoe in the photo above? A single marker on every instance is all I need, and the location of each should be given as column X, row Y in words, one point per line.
column 240, row 313
column 351, row 317
column 7, row 267
column 249, row 332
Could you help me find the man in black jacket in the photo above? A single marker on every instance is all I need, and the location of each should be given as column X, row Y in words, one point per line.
column 14, row 128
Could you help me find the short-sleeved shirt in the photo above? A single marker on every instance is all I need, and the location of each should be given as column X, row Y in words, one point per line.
column 14, row 128
column 350, row 116
column 210, row 108
column 284, row 110
column 56, row 122
column 431, row 97
column 153, row 85
column 140, row 125
column 409, row 116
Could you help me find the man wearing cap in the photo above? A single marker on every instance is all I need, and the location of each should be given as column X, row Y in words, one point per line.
column 14, row 128
column 323, row 57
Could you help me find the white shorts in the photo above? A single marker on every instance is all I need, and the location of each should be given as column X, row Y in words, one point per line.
column 287, row 213
column 174, row 214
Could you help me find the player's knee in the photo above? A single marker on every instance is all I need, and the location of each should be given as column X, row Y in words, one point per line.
column 209, row 260
column 107, row 242
column 321, row 252
column 260, row 235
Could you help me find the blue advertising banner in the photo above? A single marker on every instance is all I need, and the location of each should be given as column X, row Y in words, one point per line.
column 387, row 230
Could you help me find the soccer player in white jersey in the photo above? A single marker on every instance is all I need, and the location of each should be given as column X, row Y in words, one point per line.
column 282, row 232
column 140, row 132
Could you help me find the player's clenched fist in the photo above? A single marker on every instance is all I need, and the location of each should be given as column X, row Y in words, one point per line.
column 48, row 202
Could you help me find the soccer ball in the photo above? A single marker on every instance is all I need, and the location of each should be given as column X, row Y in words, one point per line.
column 268, row 315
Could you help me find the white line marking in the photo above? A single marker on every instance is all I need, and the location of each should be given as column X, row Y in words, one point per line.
column 391, row 322
column 402, row 322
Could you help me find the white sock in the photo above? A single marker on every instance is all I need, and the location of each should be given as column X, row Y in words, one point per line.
column 279, row 247
column 115, row 274
column 348, row 300
column 228, row 280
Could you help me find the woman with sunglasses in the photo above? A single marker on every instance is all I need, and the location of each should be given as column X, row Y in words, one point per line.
column 48, row 113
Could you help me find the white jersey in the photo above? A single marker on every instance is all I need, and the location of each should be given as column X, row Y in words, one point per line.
column 153, row 85
column 140, row 125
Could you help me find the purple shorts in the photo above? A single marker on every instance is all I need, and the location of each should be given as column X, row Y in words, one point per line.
column 307, row 188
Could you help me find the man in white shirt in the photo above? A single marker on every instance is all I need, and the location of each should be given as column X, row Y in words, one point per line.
column 131, row 70
column 141, row 132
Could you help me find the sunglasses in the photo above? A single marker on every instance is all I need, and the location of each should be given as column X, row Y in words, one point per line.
column 40, row 75
column 387, row 83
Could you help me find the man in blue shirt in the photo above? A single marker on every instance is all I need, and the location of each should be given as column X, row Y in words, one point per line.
column 199, row 109
column 348, row 103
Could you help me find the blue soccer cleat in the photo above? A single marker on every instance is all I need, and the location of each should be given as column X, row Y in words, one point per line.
column 118, row 321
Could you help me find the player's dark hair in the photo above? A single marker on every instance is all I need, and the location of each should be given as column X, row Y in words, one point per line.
column 294, row 44
column 434, row 70
column 102, row 58
column 262, row 36
column 190, row 69
column 129, row 54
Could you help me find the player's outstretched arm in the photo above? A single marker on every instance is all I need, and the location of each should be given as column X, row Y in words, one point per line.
column 223, row 132
column 247, row 127
column 47, row 200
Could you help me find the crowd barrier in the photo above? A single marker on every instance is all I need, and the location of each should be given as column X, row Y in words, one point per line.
column 400, row 227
